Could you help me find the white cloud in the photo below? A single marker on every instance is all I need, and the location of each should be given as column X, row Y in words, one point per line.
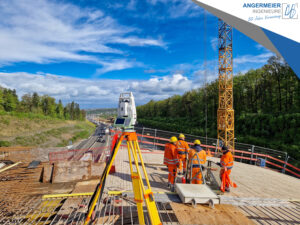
column 214, row 43
column 114, row 65
column 132, row 5
column 262, row 58
column 44, row 31
column 178, row 8
column 93, row 93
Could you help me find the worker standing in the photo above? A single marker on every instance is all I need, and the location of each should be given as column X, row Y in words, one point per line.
column 171, row 161
column 197, row 158
column 183, row 150
column 226, row 164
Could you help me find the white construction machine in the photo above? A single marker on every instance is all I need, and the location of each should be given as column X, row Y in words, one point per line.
column 126, row 118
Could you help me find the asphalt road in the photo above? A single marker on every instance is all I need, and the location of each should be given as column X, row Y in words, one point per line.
column 92, row 142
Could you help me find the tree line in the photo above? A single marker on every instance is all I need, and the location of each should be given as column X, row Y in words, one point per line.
column 266, row 104
column 44, row 105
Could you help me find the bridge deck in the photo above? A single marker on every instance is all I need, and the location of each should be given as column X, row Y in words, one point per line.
column 252, row 181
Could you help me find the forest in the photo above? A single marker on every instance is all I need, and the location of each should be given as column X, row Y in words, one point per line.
column 42, row 105
column 266, row 104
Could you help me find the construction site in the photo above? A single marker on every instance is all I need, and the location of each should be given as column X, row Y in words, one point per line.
column 62, row 186
column 119, row 176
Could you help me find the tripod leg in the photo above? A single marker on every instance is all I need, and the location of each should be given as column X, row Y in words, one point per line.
column 136, row 185
column 98, row 191
column 148, row 194
column 138, row 196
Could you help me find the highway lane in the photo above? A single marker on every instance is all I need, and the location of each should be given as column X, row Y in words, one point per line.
column 98, row 140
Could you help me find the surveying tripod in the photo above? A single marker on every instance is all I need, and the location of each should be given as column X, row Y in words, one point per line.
column 140, row 191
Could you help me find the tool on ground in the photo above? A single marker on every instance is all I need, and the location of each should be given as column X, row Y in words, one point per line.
column 141, row 193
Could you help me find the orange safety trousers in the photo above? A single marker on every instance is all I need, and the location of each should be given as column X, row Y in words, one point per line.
column 172, row 173
column 182, row 163
column 197, row 179
column 225, row 179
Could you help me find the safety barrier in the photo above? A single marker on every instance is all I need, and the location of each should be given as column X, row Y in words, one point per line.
column 276, row 160
column 76, row 154
column 156, row 139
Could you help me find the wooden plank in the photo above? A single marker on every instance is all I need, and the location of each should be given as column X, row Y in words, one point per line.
column 221, row 214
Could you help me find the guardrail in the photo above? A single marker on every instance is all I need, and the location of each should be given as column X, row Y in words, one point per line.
column 274, row 159
column 156, row 139
column 76, row 154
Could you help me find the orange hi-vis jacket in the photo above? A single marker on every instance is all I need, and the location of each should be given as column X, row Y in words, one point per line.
column 183, row 148
column 227, row 160
column 194, row 159
column 170, row 156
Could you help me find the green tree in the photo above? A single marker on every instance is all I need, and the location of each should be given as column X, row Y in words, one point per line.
column 48, row 105
column 10, row 100
column 60, row 110
column 1, row 100
column 26, row 103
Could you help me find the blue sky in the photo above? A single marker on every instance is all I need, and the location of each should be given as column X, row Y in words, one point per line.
column 89, row 50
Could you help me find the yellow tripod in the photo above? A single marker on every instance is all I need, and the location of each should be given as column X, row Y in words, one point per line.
column 141, row 193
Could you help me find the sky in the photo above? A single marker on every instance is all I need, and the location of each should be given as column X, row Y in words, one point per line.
column 89, row 51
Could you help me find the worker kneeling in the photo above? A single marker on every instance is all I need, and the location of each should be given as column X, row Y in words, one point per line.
column 183, row 150
column 197, row 157
column 171, row 161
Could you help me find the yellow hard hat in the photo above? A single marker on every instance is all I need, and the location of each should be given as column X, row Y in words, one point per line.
column 173, row 139
column 197, row 142
column 181, row 136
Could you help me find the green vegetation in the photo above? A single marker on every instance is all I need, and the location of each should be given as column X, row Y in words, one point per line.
column 42, row 132
column 266, row 104
column 40, row 105
column 40, row 121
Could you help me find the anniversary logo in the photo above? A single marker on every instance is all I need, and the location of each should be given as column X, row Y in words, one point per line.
column 272, row 10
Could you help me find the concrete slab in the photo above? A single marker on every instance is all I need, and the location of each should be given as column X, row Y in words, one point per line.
column 69, row 171
column 199, row 193
column 47, row 173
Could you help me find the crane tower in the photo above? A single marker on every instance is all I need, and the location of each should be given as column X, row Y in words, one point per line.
column 225, row 109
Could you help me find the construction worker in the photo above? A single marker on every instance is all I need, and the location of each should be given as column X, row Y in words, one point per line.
column 226, row 164
column 183, row 150
column 197, row 157
column 171, row 161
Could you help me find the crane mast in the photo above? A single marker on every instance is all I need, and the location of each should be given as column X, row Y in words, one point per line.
column 225, row 124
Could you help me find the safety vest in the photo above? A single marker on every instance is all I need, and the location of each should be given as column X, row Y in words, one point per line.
column 182, row 147
column 196, row 157
column 227, row 160
column 170, row 156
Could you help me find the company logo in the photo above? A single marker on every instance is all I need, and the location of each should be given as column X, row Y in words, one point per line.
column 289, row 11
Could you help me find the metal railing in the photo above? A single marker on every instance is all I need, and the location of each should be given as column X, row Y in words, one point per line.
column 245, row 153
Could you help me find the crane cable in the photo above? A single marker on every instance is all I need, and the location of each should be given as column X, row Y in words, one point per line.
column 205, row 71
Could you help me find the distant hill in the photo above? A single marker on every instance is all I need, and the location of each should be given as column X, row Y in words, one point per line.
column 105, row 111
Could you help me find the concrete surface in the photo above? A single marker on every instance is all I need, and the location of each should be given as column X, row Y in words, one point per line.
column 68, row 171
column 252, row 181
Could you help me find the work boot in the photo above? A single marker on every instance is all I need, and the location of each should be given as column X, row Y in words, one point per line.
column 227, row 189
column 169, row 185
column 172, row 188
